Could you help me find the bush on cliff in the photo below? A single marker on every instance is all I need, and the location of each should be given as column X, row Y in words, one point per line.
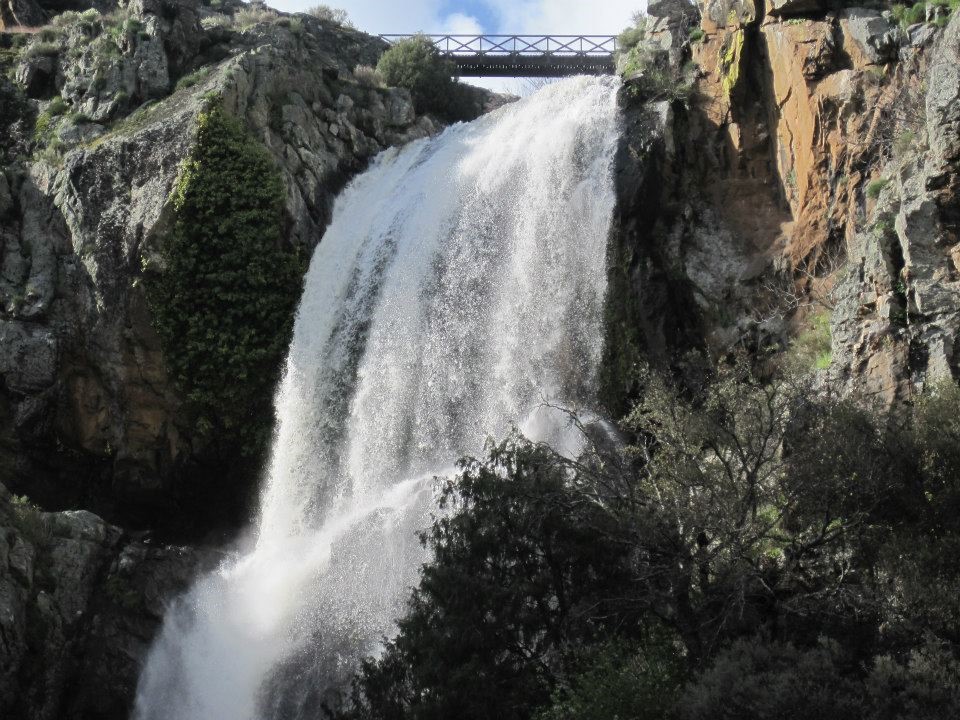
column 224, row 302
column 415, row 64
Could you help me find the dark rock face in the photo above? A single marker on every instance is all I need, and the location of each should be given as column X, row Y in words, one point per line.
column 32, row 13
column 79, row 604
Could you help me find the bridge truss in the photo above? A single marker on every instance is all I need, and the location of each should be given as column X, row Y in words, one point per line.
column 525, row 55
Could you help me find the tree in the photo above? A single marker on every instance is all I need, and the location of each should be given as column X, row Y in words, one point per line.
column 524, row 568
column 415, row 64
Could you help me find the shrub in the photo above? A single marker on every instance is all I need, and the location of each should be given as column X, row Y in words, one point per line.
column 368, row 76
column 813, row 348
column 30, row 520
column 224, row 303
column 875, row 187
column 696, row 35
column 633, row 35
column 191, row 79
column 216, row 21
column 884, row 228
column 620, row 682
column 37, row 49
column 337, row 16
column 910, row 15
column 43, row 127
column 773, row 681
column 252, row 16
column 66, row 19
column 415, row 64
column 57, row 106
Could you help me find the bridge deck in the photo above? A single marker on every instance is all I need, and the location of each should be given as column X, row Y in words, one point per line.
column 525, row 55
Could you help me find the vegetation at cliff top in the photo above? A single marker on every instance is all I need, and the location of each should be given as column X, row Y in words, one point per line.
column 937, row 12
column 224, row 301
column 757, row 550
column 648, row 67
column 337, row 16
column 415, row 64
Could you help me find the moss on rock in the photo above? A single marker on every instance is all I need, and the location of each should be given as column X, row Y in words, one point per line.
column 224, row 302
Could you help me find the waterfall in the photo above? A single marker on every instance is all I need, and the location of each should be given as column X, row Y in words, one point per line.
column 458, row 293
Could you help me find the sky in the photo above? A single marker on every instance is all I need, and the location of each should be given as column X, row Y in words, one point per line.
column 571, row 17
column 566, row 17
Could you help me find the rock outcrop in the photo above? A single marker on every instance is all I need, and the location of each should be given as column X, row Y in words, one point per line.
column 80, row 601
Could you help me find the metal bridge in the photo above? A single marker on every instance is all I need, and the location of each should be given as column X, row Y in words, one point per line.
column 525, row 55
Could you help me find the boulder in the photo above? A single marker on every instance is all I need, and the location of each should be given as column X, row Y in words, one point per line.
column 79, row 604
column 869, row 37
column 672, row 9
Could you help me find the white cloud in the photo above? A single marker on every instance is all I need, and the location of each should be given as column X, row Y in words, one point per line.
column 570, row 17
column 461, row 24
column 378, row 16
column 567, row 17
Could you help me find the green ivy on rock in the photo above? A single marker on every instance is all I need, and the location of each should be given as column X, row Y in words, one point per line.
column 225, row 301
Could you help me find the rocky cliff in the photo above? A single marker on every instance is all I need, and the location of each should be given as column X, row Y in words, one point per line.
column 89, row 414
column 806, row 197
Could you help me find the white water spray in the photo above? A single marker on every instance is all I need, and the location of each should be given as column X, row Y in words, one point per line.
column 459, row 286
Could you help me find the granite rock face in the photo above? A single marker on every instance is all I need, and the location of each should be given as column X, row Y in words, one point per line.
column 818, row 178
column 897, row 324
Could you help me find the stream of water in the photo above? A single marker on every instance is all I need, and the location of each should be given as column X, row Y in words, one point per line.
column 457, row 293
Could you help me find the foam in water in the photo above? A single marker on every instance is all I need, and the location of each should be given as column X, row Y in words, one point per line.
column 457, row 293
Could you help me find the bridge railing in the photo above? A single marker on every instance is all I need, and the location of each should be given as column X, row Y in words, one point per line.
column 520, row 45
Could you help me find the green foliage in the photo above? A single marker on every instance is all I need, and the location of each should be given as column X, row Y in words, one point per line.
column 696, row 35
column 41, row 48
column 875, row 187
column 621, row 683
column 813, row 346
column 773, row 681
column 883, row 227
column 415, row 64
column 633, row 35
column 30, row 520
column 764, row 680
column 191, row 79
column 936, row 12
column 224, row 303
column 522, row 568
column 46, row 122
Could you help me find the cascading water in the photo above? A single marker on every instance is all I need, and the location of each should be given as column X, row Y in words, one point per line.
column 457, row 293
